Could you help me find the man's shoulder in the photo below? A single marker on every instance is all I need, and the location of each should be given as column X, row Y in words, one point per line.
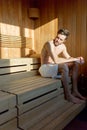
column 48, row 43
column 63, row 45
column 51, row 41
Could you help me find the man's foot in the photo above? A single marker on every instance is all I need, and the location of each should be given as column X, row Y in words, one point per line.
column 75, row 100
column 77, row 94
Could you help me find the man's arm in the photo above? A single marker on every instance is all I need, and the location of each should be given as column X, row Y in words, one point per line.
column 66, row 54
column 50, row 49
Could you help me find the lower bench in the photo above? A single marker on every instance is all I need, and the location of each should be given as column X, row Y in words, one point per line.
column 54, row 114
column 8, row 111
column 33, row 91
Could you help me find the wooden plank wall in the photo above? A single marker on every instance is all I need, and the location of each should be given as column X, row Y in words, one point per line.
column 16, row 29
column 55, row 14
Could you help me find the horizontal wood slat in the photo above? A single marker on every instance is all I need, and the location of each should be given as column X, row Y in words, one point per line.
column 7, row 101
column 37, row 102
column 5, row 79
column 13, row 69
column 8, row 108
column 8, row 116
column 11, row 125
column 15, row 41
column 9, row 66
column 18, row 61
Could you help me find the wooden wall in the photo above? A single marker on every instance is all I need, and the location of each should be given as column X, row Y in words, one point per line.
column 16, row 29
column 57, row 14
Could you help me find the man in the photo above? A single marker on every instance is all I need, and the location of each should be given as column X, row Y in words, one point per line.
column 50, row 67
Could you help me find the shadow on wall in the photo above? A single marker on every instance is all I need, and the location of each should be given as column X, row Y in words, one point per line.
column 33, row 54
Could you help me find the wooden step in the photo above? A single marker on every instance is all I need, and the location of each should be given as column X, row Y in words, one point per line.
column 33, row 91
column 64, row 118
column 14, row 69
column 33, row 116
column 10, row 125
column 8, row 108
column 55, row 113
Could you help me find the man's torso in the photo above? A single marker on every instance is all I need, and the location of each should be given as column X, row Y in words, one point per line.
column 45, row 56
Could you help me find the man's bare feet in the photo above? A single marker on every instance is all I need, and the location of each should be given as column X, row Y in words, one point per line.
column 74, row 99
column 77, row 94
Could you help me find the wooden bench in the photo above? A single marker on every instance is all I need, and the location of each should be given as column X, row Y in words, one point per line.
column 7, row 107
column 8, row 111
column 40, row 102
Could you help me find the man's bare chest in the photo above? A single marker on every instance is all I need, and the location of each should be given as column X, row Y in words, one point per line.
column 58, row 50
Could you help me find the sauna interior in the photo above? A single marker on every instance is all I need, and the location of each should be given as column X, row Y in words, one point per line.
column 25, row 26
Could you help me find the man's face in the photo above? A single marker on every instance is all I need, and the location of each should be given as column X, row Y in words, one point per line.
column 59, row 39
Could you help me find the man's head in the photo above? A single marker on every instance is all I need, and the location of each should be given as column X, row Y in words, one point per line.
column 61, row 37
column 64, row 32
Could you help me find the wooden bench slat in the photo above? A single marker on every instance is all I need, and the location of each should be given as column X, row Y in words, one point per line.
column 34, row 103
column 75, row 109
column 7, row 101
column 18, row 61
column 59, row 116
column 48, row 119
column 70, row 117
column 35, row 66
column 19, row 68
column 8, row 108
column 27, row 86
column 13, row 69
column 10, row 125
column 8, row 115
column 5, row 79
column 28, row 83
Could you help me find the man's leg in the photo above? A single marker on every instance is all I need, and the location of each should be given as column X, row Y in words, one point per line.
column 75, row 79
column 65, row 79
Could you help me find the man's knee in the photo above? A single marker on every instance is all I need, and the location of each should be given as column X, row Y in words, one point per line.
column 65, row 68
column 76, row 65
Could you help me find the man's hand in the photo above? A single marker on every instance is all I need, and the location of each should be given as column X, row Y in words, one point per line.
column 80, row 60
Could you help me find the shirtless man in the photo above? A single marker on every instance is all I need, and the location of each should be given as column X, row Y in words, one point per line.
column 50, row 67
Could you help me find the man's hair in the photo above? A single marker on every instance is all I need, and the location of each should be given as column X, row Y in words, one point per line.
column 64, row 32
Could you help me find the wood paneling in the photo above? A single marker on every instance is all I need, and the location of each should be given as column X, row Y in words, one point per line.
column 16, row 29
column 15, row 41
column 46, row 27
